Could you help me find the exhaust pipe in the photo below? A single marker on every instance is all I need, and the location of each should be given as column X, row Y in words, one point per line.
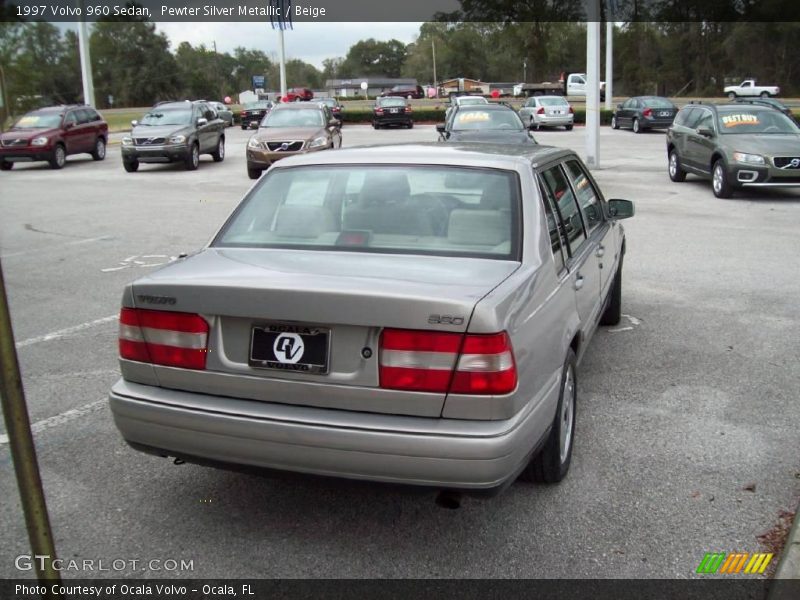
column 448, row 499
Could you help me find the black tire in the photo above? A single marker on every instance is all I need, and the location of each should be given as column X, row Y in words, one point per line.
column 131, row 166
column 764, row 94
column 614, row 123
column 99, row 149
column 411, row 125
column 219, row 154
column 568, row 127
column 59, row 157
column 635, row 127
column 6, row 166
column 192, row 160
column 549, row 466
column 720, row 185
column 376, row 126
column 731, row 95
column 613, row 311
column 253, row 173
column 244, row 127
column 676, row 173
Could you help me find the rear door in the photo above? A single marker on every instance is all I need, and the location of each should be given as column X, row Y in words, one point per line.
column 583, row 262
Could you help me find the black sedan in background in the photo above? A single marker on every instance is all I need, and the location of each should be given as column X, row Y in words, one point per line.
column 493, row 123
column 644, row 112
column 254, row 112
column 391, row 111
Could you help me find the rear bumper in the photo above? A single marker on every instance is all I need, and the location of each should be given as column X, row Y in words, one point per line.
column 440, row 453
column 398, row 119
column 657, row 123
column 553, row 121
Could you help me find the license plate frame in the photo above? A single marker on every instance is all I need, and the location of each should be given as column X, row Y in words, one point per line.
column 312, row 342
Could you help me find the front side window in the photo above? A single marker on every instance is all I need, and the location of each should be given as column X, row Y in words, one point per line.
column 706, row 120
column 588, row 198
column 71, row 119
column 434, row 210
column 560, row 191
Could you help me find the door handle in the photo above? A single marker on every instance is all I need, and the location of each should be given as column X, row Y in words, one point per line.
column 601, row 251
column 579, row 281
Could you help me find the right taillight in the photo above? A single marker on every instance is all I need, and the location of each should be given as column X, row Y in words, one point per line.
column 432, row 361
column 173, row 339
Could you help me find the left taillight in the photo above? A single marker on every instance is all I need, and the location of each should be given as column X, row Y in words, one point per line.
column 540, row 111
column 172, row 339
column 432, row 361
column 408, row 109
column 647, row 112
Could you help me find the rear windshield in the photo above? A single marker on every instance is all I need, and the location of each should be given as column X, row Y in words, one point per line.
column 471, row 120
column 765, row 121
column 391, row 102
column 294, row 118
column 658, row 103
column 553, row 101
column 257, row 105
column 35, row 121
column 469, row 101
column 173, row 116
column 435, row 210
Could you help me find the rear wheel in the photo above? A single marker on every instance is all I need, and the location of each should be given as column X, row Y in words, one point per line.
column 732, row 96
column 6, row 166
column 219, row 154
column 59, row 157
column 253, row 173
column 552, row 463
column 719, row 180
column 99, row 152
column 568, row 127
column 192, row 160
column 131, row 166
column 636, row 127
column 411, row 125
column 614, row 123
column 676, row 173
column 244, row 127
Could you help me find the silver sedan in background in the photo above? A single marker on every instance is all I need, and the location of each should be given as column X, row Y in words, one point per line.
column 411, row 314
column 547, row 111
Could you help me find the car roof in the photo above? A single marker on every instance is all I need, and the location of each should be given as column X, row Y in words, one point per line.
column 498, row 156
column 61, row 108
column 485, row 107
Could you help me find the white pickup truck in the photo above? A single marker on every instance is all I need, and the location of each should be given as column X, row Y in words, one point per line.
column 570, row 84
column 749, row 88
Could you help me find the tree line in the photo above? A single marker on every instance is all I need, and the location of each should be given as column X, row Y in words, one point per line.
column 134, row 64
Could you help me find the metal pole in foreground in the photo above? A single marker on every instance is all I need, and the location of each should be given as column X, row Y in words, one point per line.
column 86, row 63
column 283, row 63
column 609, row 63
column 593, row 93
column 23, row 452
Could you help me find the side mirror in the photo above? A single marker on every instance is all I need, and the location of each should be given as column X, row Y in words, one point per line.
column 619, row 106
column 202, row 121
column 440, row 127
column 335, row 123
column 69, row 125
column 134, row 123
column 620, row 209
column 705, row 132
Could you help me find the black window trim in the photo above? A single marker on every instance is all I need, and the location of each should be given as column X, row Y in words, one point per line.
column 562, row 240
column 595, row 187
column 559, row 164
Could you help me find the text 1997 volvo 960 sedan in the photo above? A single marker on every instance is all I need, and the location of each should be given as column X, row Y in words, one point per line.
column 411, row 314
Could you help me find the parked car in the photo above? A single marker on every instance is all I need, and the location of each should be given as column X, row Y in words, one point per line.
column 53, row 133
column 334, row 105
column 254, row 112
column 290, row 129
column 547, row 111
column 223, row 111
column 735, row 145
column 772, row 103
column 298, row 94
column 465, row 100
column 641, row 113
column 404, row 91
column 413, row 314
column 493, row 123
column 391, row 111
column 175, row 132
column 749, row 88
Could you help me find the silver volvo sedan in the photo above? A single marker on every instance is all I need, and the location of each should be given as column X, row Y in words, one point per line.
column 411, row 314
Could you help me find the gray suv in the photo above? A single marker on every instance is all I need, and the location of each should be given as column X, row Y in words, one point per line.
column 175, row 132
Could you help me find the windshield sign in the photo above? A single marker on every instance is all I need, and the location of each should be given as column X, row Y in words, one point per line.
column 484, row 119
column 761, row 122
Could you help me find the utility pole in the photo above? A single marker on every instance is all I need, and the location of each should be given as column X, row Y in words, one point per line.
column 282, row 63
column 86, row 61
column 525, row 70
column 435, row 84
column 593, row 86
column 609, row 62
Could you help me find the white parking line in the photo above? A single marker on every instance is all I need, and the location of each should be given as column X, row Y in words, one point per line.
column 65, row 417
column 64, row 332
column 55, row 246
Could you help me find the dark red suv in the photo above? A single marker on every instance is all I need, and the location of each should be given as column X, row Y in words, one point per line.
column 298, row 94
column 405, row 91
column 53, row 133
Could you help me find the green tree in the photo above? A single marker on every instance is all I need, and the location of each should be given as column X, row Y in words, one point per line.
column 373, row 58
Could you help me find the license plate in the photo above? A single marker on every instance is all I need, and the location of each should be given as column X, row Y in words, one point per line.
column 290, row 347
column 557, row 112
column 393, row 110
column 663, row 113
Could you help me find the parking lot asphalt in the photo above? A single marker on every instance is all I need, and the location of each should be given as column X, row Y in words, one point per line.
column 687, row 422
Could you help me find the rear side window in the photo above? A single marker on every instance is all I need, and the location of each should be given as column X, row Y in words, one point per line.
column 554, row 229
column 561, row 193
column 683, row 116
column 436, row 210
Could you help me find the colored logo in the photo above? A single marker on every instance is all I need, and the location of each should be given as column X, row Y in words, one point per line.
column 735, row 562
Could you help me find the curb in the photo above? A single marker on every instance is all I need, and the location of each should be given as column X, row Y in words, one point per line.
column 786, row 581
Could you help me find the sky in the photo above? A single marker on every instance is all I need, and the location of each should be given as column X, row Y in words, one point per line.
column 310, row 42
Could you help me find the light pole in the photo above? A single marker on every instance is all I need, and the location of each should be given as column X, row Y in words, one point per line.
column 86, row 61
column 609, row 61
column 433, row 50
column 593, row 85
column 525, row 70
